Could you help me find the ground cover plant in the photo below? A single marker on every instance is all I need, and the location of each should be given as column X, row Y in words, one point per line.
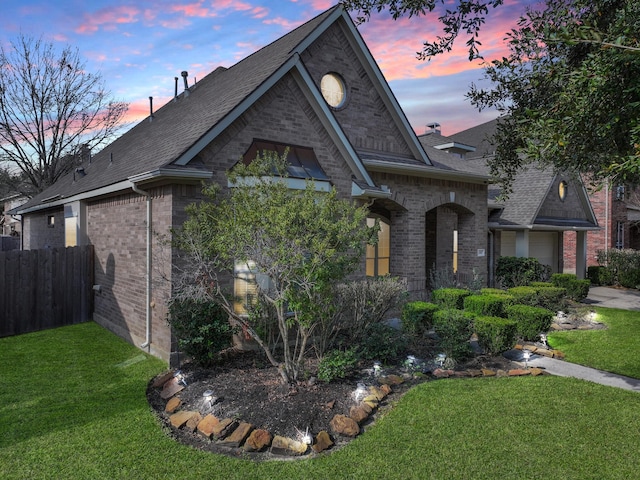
column 614, row 349
column 72, row 405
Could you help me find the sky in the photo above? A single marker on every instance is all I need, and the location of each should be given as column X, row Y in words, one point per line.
column 139, row 46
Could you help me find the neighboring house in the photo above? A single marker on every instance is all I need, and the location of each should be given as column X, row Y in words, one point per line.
column 533, row 221
column 10, row 225
column 316, row 89
column 616, row 209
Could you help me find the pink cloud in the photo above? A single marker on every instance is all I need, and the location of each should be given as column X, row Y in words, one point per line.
column 193, row 10
column 283, row 22
column 107, row 19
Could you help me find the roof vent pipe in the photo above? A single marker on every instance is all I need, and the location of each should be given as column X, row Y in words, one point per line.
column 150, row 108
column 185, row 74
column 175, row 94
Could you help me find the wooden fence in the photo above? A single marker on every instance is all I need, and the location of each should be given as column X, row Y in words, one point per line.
column 41, row 289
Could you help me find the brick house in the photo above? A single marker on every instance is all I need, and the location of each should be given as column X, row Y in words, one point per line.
column 316, row 89
column 544, row 208
column 615, row 207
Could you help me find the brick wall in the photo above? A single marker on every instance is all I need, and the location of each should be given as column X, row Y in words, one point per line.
column 37, row 232
column 117, row 229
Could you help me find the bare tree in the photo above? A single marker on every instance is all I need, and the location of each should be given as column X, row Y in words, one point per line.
column 51, row 110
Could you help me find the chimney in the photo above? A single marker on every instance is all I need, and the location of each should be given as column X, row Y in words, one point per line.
column 431, row 128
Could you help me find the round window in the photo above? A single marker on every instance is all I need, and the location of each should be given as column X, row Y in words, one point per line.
column 562, row 190
column 333, row 89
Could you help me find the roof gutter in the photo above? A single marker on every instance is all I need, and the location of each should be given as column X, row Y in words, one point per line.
column 424, row 171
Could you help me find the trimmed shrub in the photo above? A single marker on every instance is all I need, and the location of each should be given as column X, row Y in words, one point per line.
column 495, row 334
column 417, row 317
column 493, row 291
column 531, row 320
column 489, row 305
column 600, row 275
column 454, row 328
column 381, row 342
column 551, row 298
column 337, row 364
column 447, row 298
column 524, row 295
column 563, row 280
column 516, row 271
column 202, row 328
column 578, row 290
column 541, row 284
column 629, row 278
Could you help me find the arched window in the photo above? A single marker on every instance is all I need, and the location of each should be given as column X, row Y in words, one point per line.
column 378, row 255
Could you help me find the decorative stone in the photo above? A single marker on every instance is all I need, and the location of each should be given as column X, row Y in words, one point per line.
column 178, row 420
column 501, row 373
column 440, row 373
column 258, row 440
column 193, row 422
column 366, row 408
column 343, row 425
column 461, row 374
column 519, row 372
column 377, row 392
column 554, row 326
column 371, row 400
column 544, row 352
column 162, row 379
column 518, row 346
column 224, row 428
column 391, row 380
column 287, row 446
column 488, row 373
column 475, row 373
column 207, row 425
column 330, row 404
column 358, row 414
column 170, row 388
column 239, row 435
column 558, row 354
column 172, row 405
column 323, row 442
column 386, row 389
column 536, row 371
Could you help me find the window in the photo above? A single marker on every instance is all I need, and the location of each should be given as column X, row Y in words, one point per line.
column 51, row 221
column 245, row 287
column 620, row 235
column 377, row 258
column 333, row 90
column 562, row 190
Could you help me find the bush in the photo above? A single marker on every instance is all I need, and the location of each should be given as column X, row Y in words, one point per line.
column 620, row 263
column 524, row 295
column 531, row 320
column 489, row 305
column 551, row 298
column 541, row 284
column 366, row 302
column 382, row 342
column 563, row 280
column 202, row 328
column 495, row 334
column 447, row 298
column 516, row 271
column 600, row 275
column 629, row 278
column 417, row 317
column 577, row 290
column 454, row 327
column 493, row 291
column 337, row 364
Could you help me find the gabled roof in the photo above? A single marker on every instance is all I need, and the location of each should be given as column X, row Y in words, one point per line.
column 165, row 144
column 531, row 187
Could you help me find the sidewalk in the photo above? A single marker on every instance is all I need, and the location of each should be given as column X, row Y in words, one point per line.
column 624, row 299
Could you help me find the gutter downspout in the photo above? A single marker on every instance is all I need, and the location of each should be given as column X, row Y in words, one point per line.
column 146, row 194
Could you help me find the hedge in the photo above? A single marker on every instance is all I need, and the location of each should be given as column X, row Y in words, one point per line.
column 495, row 334
column 531, row 320
column 490, row 305
column 447, row 298
column 454, row 328
column 417, row 317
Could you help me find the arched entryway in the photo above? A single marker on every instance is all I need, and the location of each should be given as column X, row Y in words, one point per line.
column 450, row 232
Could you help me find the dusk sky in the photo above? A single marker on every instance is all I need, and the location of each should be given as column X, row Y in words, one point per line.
column 140, row 46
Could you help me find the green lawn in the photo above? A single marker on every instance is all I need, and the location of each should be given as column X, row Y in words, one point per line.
column 615, row 349
column 72, row 405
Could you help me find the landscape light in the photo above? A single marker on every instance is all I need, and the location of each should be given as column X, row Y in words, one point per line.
column 441, row 358
column 307, row 438
column 360, row 393
column 180, row 378
column 208, row 397
column 526, row 354
column 377, row 368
